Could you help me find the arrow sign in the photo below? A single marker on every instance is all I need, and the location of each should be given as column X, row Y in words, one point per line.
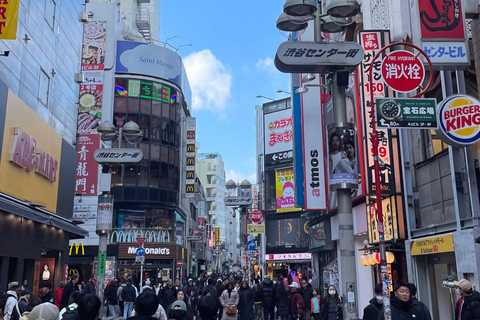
column 140, row 252
column 251, row 245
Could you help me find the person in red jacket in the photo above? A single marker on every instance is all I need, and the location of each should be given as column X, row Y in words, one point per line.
column 297, row 305
column 58, row 294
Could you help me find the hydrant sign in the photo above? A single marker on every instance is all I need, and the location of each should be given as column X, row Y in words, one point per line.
column 403, row 71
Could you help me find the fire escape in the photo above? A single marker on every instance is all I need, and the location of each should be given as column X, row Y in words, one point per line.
column 143, row 23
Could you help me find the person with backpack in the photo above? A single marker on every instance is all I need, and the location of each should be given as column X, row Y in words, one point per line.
column 129, row 294
column 376, row 304
column 69, row 288
column 11, row 310
column 70, row 312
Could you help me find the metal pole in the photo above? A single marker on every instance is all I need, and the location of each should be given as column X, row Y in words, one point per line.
column 141, row 277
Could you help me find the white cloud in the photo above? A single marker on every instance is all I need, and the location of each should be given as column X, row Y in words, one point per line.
column 209, row 79
column 239, row 176
column 276, row 79
column 266, row 64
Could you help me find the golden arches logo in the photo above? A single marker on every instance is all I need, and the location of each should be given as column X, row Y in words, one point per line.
column 77, row 246
column 73, row 271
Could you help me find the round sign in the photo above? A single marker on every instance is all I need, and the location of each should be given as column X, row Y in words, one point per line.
column 459, row 118
column 256, row 216
column 403, row 71
column 179, row 263
column 140, row 252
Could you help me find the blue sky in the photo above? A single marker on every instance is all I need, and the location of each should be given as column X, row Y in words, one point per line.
column 231, row 61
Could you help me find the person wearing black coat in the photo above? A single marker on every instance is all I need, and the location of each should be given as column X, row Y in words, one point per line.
column 332, row 308
column 90, row 287
column 404, row 307
column 469, row 302
column 111, row 297
column 245, row 302
column 281, row 298
column 167, row 295
column 70, row 287
column 376, row 304
column 307, row 294
column 267, row 292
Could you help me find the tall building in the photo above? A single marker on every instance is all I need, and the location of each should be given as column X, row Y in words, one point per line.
column 41, row 45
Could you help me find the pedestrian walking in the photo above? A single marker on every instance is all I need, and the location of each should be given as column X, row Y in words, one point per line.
column 12, row 311
column 229, row 301
column 88, row 307
column 375, row 304
column 468, row 306
column 307, row 294
column 207, row 307
column 267, row 293
column 281, row 299
column 404, row 307
column 315, row 304
column 70, row 287
column 59, row 293
column 167, row 295
column 332, row 305
column 128, row 295
column 70, row 312
column 245, row 302
column 145, row 306
column 111, row 298
column 296, row 305
column 90, row 287
column 47, row 295
column 44, row 311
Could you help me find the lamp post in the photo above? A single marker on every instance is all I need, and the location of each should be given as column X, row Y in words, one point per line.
column 183, row 45
column 262, row 96
column 132, row 133
column 340, row 13
column 283, row 91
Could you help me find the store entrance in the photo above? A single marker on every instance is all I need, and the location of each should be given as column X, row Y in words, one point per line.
column 149, row 272
column 443, row 299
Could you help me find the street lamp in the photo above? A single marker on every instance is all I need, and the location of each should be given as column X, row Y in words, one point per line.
column 184, row 45
column 166, row 41
column 343, row 12
column 261, row 96
column 130, row 131
column 281, row 90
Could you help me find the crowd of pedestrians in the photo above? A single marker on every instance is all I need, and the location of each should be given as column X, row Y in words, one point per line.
column 218, row 297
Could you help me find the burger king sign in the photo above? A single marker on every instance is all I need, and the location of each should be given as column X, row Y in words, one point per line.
column 459, row 119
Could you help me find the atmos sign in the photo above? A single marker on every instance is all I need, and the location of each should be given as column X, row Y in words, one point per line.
column 26, row 154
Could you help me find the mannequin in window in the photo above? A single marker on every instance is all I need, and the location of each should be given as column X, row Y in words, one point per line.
column 46, row 273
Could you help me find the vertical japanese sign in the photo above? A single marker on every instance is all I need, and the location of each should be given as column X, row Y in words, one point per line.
column 9, row 19
column 209, row 231
column 87, row 167
column 284, row 190
column 190, row 157
column 372, row 42
column 390, row 224
column 217, row 236
column 91, row 90
column 442, row 30
column 278, row 136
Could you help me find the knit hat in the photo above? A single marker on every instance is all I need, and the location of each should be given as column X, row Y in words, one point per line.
column 44, row 311
column 463, row 284
column 179, row 305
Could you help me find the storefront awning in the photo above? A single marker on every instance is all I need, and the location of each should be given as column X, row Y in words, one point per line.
column 30, row 211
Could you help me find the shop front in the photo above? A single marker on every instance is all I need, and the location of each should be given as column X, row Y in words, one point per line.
column 37, row 176
column 160, row 261
column 293, row 264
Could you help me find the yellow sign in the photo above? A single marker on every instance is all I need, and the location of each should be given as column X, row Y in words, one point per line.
column 285, row 191
column 217, row 236
column 9, row 18
column 256, row 228
column 77, row 246
column 390, row 225
column 34, row 186
column 432, row 245
column 73, row 271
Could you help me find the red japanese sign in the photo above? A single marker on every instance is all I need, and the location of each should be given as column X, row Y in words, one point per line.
column 87, row 167
column 256, row 216
column 441, row 19
column 201, row 221
column 402, row 71
column 370, row 41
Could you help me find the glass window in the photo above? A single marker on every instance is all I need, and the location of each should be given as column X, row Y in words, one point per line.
column 155, row 152
column 131, row 219
column 177, row 157
column 158, row 218
column 145, row 106
column 142, row 174
column 43, row 87
column 134, row 88
column 156, row 128
column 117, row 175
column 144, row 124
column 171, row 176
column 130, row 175
column 154, row 174
column 156, row 108
column 132, row 117
column 172, row 113
column 50, row 12
column 153, row 194
column 165, row 110
column 163, row 174
column 164, row 154
column 165, row 131
column 146, row 151
column 120, row 104
column 172, row 130
column 133, row 105
column 171, row 158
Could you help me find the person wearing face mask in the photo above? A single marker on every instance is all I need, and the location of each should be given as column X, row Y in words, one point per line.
column 372, row 310
column 332, row 305
column 403, row 306
column 468, row 306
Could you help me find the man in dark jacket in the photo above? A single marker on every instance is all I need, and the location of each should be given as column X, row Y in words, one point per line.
column 128, row 295
column 468, row 306
column 70, row 287
column 297, row 305
column 167, row 295
column 267, row 293
column 90, row 287
column 207, row 307
column 376, row 304
column 145, row 306
column 307, row 294
column 404, row 307
column 281, row 298
column 47, row 293
column 189, row 287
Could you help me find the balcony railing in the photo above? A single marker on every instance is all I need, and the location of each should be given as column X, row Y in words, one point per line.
column 131, row 235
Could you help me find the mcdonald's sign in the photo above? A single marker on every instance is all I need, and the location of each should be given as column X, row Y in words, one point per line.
column 77, row 246
column 73, row 271
column 190, row 148
column 190, row 161
column 190, row 188
column 190, row 157
column 190, row 174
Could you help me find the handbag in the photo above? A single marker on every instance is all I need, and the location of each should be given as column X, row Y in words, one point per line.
column 231, row 310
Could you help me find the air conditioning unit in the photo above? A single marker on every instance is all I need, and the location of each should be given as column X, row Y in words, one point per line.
column 79, row 77
column 82, row 16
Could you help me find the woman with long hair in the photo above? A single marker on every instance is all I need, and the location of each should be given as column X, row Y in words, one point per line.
column 246, row 301
column 332, row 305
column 229, row 301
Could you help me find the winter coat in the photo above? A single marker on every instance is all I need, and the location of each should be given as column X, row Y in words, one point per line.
column 10, row 305
column 324, row 312
column 187, row 287
column 372, row 310
column 471, row 307
column 129, row 293
column 307, row 295
column 210, row 289
column 89, row 288
column 411, row 309
column 312, row 302
column 227, row 299
column 111, row 295
column 207, row 307
column 245, row 304
column 67, row 292
column 296, row 306
column 58, row 297
column 167, row 296
column 281, row 298
column 267, row 290
column 48, row 297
